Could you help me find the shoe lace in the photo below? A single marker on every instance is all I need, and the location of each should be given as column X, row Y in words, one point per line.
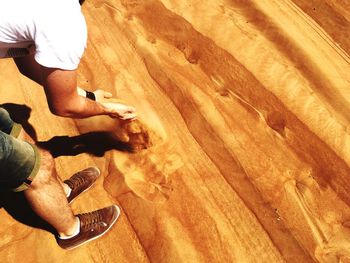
column 78, row 180
column 90, row 220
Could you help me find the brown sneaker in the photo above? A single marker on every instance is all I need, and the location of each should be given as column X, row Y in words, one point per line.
column 92, row 226
column 81, row 182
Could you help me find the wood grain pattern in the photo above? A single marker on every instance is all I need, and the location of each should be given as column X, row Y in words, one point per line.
column 244, row 110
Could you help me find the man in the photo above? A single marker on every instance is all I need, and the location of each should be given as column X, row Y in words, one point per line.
column 47, row 38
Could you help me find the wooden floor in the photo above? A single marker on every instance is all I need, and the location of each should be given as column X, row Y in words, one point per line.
column 244, row 111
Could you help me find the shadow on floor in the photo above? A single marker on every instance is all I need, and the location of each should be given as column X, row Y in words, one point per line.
column 95, row 143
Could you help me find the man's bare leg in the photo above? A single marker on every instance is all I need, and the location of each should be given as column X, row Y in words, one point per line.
column 48, row 199
column 47, row 194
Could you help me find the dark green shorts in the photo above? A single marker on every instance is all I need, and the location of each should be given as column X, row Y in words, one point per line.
column 19, row 160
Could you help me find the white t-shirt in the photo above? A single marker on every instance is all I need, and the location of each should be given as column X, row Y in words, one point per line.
column 55, row 30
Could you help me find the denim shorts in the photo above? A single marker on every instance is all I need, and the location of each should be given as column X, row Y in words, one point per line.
column 19, row 160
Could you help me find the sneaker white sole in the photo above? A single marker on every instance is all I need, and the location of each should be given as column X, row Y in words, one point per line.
column 87, row 241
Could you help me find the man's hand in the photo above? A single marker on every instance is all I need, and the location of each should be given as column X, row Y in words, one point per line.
column 111, row 106
column 119, row 110
column 116, row 109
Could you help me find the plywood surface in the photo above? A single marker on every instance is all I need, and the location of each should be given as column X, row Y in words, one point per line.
column 244, row 108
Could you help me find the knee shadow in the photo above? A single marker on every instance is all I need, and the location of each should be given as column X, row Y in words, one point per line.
column 17, row 206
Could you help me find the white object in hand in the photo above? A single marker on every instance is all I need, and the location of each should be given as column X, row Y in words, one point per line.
column 120, row 111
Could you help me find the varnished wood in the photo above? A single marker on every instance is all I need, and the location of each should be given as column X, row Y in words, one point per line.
column 244, row 111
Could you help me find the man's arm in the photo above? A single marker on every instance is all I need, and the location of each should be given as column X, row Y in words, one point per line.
column 62, row 92
column 62, row 96
column 60, row 89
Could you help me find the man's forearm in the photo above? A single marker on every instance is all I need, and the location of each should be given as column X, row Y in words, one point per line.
column 80, row 107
